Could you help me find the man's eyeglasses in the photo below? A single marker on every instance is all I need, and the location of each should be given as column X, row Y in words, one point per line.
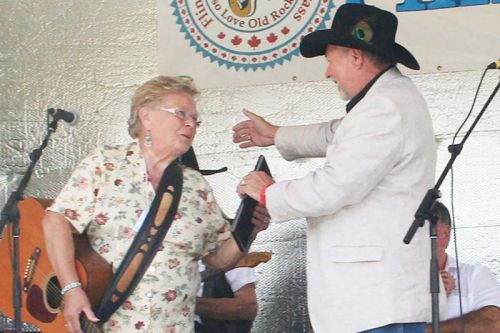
column 183, row 115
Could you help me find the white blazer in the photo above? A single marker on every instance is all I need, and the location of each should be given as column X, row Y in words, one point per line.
column 380, row 161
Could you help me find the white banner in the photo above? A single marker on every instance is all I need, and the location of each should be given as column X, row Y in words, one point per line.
column 224, row 43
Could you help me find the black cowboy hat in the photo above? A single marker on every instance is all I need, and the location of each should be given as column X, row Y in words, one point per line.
column 364, row 27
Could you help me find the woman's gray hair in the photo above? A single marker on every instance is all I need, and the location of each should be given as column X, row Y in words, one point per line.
column 152, row 91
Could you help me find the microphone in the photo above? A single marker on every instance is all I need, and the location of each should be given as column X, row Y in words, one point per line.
column 71, row 117
column 494, row 65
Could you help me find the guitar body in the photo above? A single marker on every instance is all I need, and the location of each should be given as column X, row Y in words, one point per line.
column 40, row 290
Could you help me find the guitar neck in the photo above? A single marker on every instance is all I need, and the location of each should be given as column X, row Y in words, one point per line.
column 252, row 259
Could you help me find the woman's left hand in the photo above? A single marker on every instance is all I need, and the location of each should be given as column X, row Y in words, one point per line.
column 260, row 219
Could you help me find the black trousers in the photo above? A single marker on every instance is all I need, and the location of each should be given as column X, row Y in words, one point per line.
column 198, row 328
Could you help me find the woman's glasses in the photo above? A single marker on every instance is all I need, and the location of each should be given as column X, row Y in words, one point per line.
column 183, row 115
column 184, row 78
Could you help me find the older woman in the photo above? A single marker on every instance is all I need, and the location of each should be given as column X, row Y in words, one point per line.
column 108, row 196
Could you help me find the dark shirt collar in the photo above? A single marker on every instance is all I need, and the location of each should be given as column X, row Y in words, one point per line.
column 352, row 103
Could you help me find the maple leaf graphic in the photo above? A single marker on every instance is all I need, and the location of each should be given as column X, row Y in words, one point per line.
column 271, row 38
column 236, row 40
column 254, row 41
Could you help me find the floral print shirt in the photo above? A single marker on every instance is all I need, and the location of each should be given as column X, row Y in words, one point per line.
column 105, row 196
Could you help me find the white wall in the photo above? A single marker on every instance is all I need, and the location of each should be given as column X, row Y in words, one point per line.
column 91, row 55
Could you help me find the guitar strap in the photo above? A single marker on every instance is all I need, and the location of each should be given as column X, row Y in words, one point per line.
column 146, row 242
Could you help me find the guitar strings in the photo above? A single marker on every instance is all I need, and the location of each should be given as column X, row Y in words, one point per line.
column 54, row 291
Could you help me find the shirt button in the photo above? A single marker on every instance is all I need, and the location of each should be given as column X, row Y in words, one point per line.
column 149, row 295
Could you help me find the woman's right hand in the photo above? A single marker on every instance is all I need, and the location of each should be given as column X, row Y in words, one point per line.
column 76, row 302
column 254, row 132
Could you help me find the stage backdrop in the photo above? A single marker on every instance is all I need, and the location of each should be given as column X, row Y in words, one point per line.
column 247, row 42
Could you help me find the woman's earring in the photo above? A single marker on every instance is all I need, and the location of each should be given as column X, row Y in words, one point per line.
column 148, row 139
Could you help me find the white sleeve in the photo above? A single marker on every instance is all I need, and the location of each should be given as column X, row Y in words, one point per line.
column 486, row 288
column 367, row 146
column 238, row 277
column 304, row 141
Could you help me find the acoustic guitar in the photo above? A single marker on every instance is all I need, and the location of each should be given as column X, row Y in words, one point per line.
column 41, row 293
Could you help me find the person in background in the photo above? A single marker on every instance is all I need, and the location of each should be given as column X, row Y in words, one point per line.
column 480, row 291
column 379, row 161
column 108, row 196
column 227, row 303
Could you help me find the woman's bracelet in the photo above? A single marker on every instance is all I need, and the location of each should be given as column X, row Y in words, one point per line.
column 70, row 286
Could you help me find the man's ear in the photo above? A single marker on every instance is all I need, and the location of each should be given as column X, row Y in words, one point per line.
column 357, row 57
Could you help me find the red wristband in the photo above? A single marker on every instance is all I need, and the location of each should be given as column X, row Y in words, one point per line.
column 262, row 195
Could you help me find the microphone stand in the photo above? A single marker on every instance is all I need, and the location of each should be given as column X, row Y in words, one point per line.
column 424, row 213
column 10, row 215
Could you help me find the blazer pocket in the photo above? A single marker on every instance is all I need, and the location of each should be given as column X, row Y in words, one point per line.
column 356, row 253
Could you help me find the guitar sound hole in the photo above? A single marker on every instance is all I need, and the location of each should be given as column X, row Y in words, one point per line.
column 54, row 297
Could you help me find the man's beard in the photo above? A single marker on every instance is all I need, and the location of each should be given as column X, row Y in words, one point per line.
column 343, row 94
